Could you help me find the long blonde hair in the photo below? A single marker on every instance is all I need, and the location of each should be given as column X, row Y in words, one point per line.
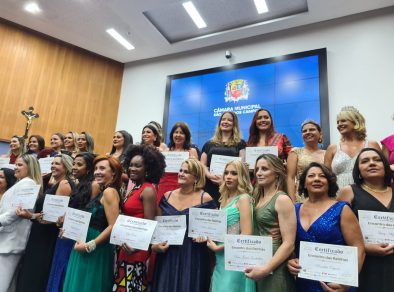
column 244, row 184
column 275, row 164
column 236, row 134
column 33, row 169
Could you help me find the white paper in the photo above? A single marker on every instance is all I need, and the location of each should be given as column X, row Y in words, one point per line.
column 329, row 263
column 377, row 227
column 174, row 160
column 76, row 224
column 252, row 153
column 5, row 163
column 170, row 229
column 209, row 223
column 218, row 163
column 54, row 207
column 46, row 164
column 242, row 251
column 135, row 232
column 25, row 197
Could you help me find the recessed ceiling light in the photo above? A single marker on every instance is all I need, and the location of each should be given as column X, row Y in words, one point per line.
column 193, row 13
column 261, row 6
column 32, row 7
column 120, row 39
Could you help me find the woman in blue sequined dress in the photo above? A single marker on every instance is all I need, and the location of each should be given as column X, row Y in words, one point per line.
column 322, row 219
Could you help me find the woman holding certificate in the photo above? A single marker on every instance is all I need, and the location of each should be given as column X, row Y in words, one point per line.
column 262, row 133
column 238, row 204
column 146, row 166
column 370, row 196
column 300, row 157
column 86, row 188
column 227, row 142
column 42, row 239
column 90, row 267
column 180, row 141
column 15, row 230
column 274, row 210
column 321, row 219
column 184, row 267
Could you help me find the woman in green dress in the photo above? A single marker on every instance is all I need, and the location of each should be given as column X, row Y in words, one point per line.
column 274, row 214
column 235, row 200
column 91, row 264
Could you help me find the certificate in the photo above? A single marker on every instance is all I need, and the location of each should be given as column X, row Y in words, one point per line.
column 174, row 160
column 208, row 223
column 329, row 263
column 170, row 229
column 242, row 251
column 76, row 224
column 218, row 163
column 135, row 232
column 54, row 207
column 377, row 227
column 46, row 164
column 25, row 197
column 252, row 153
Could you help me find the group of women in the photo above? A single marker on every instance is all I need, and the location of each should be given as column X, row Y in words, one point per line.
column 329, row 187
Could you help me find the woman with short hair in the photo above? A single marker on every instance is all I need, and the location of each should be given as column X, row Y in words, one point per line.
column 340, row 158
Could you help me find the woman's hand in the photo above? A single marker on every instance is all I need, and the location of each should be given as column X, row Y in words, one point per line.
column 293, row 267
column 80, row 246
column 332, row 287
column 200, row 239
column 128, row 249
column 215, row 178
column 60, row 221
column 23, row 213
column 160, row 247
column 213, row 246
column 379, row 249
column 256, row 273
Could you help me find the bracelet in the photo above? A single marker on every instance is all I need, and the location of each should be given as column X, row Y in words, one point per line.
column 90, row 246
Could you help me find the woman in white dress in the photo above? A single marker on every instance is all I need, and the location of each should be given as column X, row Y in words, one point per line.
column 15, row 230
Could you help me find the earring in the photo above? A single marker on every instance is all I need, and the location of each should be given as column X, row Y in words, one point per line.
column 194, row 186
column 320, row 140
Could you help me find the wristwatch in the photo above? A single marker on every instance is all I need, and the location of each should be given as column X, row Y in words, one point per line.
column 33, row 217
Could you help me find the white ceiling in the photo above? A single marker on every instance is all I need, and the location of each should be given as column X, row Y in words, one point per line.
column 83, row 23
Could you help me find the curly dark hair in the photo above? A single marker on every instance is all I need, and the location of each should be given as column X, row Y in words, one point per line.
column 330, row 176
column 185, row 129
column 358, row 180
column 154, row 161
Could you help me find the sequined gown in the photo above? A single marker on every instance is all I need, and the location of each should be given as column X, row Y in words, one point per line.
column 325, row 229
column 342, row 165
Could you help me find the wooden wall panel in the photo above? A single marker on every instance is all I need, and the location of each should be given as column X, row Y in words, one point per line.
column 70, row 88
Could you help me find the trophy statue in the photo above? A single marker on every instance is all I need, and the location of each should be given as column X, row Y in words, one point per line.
column 29, row 115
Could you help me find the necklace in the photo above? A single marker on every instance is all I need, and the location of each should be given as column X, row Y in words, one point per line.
column 365, row 186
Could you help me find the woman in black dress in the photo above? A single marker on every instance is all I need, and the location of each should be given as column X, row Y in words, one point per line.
column 226, row 141
column 372, row 192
